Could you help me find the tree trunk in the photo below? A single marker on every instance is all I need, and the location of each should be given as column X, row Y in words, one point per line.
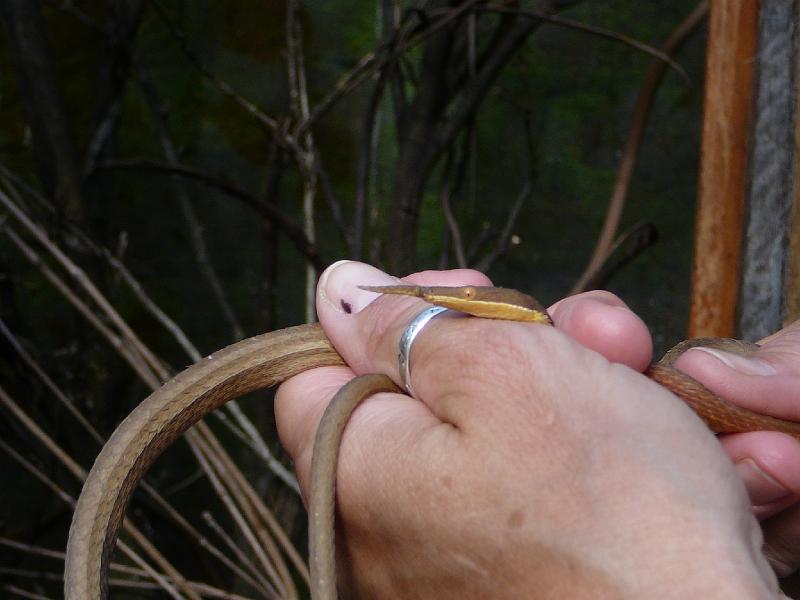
column 445, row 104
column 54, row 149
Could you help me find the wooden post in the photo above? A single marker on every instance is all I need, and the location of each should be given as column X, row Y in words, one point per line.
column 723, row 170
column 792, row 311
column 793, row 273
column 764, row 294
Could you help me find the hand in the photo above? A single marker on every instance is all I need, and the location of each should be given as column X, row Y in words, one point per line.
column 529, row 464
column 769, row 463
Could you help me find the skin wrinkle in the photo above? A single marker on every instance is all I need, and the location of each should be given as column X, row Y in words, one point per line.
column 569, row 571
column 502, row 350
column 369, row 485
column 466, row 501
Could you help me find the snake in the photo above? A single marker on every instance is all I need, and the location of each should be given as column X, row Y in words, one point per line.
column 271, row 358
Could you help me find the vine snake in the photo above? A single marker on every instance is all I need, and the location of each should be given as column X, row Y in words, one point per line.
column 271, row 358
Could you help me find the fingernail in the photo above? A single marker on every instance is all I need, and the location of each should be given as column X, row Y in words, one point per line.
column 763, row 488
column 338, row 285
column 742, row 364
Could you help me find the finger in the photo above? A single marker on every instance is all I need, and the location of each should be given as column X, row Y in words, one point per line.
column 768, row 463
column 602, row 322
column 768, row 381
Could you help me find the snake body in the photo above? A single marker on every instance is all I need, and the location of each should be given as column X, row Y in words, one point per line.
column 246, row 366
column 271, row 358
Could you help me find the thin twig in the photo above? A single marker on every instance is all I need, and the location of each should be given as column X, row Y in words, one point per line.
column 448, row 188
column 501, row 244
column 126, row 351
column 662, row 55
column 626, row 247
column 253, row 508
column 223, row 86
column 48, row 382
column 192, row 436
column 641, row 113
column 262, row 584
column 164, row 505
column 162, row 580
column 253, row 438
column 132, row 359
column 23, row 593
column 30, row 549
column 292, row 230
column 205, row 457
column 250, row 436
column 275, row 527
column 306, row 154
column 38, row 474
column 201, row 254
column 202, row 588
column 80, row 277
column 365, row 166
column 387, row 52
column 80, row 474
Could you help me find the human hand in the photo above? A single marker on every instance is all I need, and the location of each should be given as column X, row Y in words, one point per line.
column 530, row 464
column 769, row 463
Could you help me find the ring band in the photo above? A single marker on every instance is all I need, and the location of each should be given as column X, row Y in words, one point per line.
column 406, row 341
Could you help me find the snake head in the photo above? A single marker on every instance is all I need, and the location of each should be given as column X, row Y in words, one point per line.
column 485, row 302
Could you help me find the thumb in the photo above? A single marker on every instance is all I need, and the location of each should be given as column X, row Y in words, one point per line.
column 767, row 381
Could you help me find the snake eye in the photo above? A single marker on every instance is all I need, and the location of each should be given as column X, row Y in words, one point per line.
column 469, row 292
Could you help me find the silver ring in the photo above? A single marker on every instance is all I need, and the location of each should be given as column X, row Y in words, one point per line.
column 406, row 341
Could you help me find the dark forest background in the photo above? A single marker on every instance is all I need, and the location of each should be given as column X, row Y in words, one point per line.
column 195, row 164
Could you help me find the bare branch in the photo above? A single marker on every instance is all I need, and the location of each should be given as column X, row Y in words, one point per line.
column 592, row 29
column 127, row 352
column 246, row 431
column 192, row 435
column 53, row 144
column 450, row 178
column 641, row 113
column 79, row 473
column 626, row 247
column 24, row 593
column 48, row 382
column 211, row 466
column 37, row 473
column 80, row 277
column 306, row 154
column 386, row 53
column 223, row 86
column 68, row 7
column 292, row 231
column 193, row 224
column 501, row 245
column 262, row 584
column 265, row 516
